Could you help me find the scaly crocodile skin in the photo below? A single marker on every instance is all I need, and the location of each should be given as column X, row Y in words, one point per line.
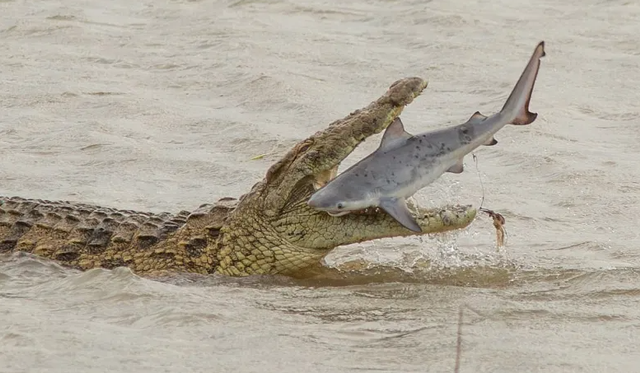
column 269, row 230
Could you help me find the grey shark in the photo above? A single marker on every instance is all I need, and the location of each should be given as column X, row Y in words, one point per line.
column 405, row 163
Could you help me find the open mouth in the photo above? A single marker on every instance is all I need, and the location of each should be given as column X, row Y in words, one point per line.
column 325, row 177
column 337, row 212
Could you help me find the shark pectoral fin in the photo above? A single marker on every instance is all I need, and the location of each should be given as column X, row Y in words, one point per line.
column 456, row 168
column 394, row 135
column 397, row 208
column 492, row 141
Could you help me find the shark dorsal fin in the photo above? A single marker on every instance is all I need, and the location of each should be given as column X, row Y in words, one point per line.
column 477, row 117
column 394, row 135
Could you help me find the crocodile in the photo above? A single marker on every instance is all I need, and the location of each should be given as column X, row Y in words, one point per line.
column 268, row 231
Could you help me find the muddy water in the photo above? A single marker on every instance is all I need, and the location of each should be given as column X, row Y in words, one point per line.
column 161, row 105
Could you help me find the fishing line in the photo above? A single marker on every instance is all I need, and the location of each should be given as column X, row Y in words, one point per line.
column 475, row 159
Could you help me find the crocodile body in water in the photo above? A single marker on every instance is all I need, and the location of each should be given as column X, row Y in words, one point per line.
column 269, row 230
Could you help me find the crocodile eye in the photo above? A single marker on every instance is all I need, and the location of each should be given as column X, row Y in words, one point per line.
column 340, row 205
column 304, row 146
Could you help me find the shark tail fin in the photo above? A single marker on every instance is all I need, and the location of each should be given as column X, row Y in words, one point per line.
column 517, row 105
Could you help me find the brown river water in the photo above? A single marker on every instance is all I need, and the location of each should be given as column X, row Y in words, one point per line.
column 161, row 106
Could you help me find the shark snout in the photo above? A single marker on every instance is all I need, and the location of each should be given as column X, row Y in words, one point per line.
column 315, row 201
column 321, row 201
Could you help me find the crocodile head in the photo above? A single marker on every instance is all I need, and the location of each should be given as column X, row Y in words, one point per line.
column 273, row 230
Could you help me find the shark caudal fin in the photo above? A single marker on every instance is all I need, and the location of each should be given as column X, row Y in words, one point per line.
column 517, row 105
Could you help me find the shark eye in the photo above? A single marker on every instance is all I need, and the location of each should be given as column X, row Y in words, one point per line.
column 339, row 206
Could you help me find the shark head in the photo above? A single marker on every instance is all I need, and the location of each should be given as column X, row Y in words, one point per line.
column 336, row 202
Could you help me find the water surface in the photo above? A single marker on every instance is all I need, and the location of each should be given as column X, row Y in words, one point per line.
column 161, row 106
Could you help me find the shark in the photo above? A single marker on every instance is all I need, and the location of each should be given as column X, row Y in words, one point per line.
column 405, row 163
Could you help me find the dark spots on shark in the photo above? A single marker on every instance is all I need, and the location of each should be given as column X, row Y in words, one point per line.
column 388, row 181
column 444, row 147
column 465, row 135
column 366, row 174
column 441, row 150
